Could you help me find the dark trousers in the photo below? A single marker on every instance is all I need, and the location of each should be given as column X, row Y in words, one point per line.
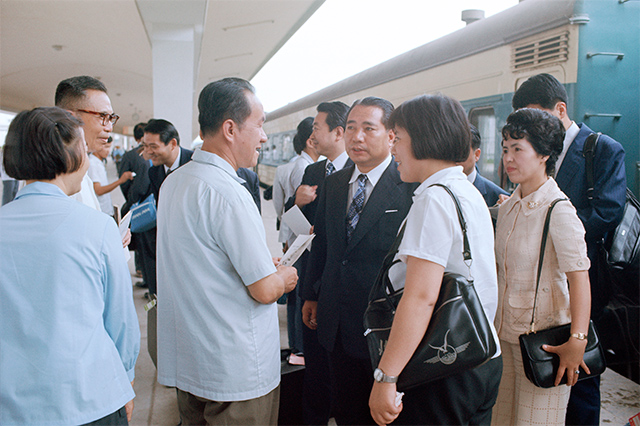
column 117, row 418
column 352, row 383
column 584, row 403
column 584, row 400
column 463, row 399
column 316, row 393
column 147, row 246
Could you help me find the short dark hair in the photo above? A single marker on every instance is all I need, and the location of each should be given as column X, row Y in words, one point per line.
column 437, row 125
column 383, row 104
column 336, row 114
column 541, row 89
column 476, row 140
column 542, row 130
column 305, row 128
column 42, row 144
column 138, row 131
column 223, row 100
column 164, row 129
column 73, row 90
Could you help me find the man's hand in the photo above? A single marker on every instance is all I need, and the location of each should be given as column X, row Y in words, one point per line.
column 309, row 314
column 126, row 240
column 128, row 407
column 126, row 176
column 305, row 194
column 289, row 275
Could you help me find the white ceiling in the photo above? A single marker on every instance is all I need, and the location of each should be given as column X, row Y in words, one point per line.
column 45, row 41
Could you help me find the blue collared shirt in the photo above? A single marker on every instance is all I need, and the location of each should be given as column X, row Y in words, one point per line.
column 69, row 334
column 214, row 340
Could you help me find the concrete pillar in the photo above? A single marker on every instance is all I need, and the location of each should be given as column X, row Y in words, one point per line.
column 173, row 50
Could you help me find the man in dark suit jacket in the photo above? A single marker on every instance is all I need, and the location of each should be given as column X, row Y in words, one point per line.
column 352, row 237
column 599, row 215
column 132, row 161
column 162, row 147
column 328, row 139
column 489, row 190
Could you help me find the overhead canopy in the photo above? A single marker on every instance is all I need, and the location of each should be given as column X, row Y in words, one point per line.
column 44, row 42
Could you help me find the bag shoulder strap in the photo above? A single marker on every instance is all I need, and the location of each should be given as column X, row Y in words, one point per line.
column 588, row 152
column 466, row 247
column 545, row 233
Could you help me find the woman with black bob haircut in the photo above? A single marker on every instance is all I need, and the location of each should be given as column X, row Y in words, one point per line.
column 532, row 142
column 432, row 134
column 68, row 327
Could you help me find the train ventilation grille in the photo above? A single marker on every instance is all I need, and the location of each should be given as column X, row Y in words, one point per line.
column 540, row 52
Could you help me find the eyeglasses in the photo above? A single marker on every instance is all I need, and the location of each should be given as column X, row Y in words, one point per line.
column 106, row 117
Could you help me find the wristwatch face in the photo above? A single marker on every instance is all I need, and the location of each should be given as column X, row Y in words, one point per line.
column 378, row 375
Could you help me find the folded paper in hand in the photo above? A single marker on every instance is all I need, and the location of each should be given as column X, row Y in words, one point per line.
column 297, row 248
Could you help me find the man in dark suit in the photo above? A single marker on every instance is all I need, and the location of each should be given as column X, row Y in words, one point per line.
column 599, row 215
column 132, row 161
column 358, row 215
column 134, row 190
column 162, row 147
column 489, row 190
column 328, row 139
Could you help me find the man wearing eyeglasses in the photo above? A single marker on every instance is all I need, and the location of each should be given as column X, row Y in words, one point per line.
column 86, row 97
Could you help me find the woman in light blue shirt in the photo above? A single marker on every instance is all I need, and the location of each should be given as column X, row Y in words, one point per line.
column 69, row 335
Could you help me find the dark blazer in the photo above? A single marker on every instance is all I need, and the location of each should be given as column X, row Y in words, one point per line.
column 252, row 183
column 134, row 190
column 604, row 212
column 489, row 190
column 342, row 274
column 314, row 174
column 157, row 173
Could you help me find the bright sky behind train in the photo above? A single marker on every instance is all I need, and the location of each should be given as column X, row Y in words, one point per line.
column 345, row 37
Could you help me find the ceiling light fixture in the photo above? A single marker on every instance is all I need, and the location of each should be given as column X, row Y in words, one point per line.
column 235, row 27
column 233, row 56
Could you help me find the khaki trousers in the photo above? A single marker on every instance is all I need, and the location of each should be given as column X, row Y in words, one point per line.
column 199, row 411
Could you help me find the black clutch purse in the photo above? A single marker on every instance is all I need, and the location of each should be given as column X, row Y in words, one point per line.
column 540, row 366
column 458, row 337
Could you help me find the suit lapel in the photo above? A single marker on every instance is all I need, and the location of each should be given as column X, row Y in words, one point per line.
column 479, row 184
column 573, row 161
column 384, row 194
column 338, row 194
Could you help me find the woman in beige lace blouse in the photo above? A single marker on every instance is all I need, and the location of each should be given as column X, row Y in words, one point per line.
column 532, row 142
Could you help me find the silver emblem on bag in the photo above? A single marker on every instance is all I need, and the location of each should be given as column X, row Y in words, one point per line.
column 447, row 354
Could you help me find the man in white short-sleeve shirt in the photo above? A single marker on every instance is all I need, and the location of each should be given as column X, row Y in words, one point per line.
column 218, row 334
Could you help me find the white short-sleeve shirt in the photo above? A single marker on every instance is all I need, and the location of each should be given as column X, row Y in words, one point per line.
column 433, row 233
column 214, row 340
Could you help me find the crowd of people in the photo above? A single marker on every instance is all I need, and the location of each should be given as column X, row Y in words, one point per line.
column 69, row 331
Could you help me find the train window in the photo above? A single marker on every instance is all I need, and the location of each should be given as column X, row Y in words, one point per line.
column 484, row 119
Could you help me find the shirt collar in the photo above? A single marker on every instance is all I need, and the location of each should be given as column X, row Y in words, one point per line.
column 454, row 172
column 207, row 157
column 40, row 188
column 175, row 163
column 534, row 201
column 374, row 175
column 472, row 175
column 339, row 161
column 306, row 156
column 569, row 136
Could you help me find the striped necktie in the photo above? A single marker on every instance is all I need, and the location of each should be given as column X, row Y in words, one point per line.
column 330, row 168
column 353, row 214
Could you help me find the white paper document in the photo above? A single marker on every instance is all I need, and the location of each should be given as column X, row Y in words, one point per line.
column 124, row 224
column 296, row 221
column 123, row 227
column 297, row 248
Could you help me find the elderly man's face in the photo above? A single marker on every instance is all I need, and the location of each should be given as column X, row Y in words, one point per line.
column 250, row 135
column 96, row 134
